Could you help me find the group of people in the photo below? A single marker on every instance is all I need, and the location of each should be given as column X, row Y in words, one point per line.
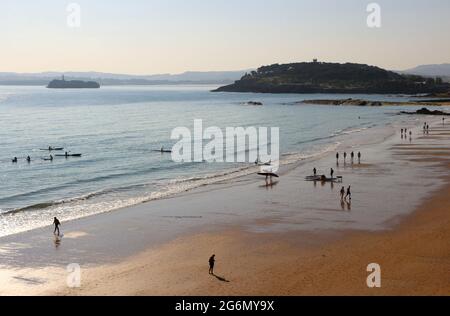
column 346, row 194
column 16, row 160
column 404, row 132
column 352, row 156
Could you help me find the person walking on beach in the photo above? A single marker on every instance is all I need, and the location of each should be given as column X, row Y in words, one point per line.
column 332, row 173
column 212, row 261
column 353, row 156
column 57, row 223
column 342, row 193
column 359, row 157
column 349, row 193
column 337, row 157
column 345, row 156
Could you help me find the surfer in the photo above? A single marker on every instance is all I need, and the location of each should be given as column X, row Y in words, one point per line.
column 212, row 261
column 66, row 154
column 342, row 193
column 349, row 193
column 14, row 160
column 51, row 157
column 57, row 223
column 28, row 159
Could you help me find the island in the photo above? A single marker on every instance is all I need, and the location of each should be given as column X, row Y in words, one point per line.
column 72, row 84
column 320, row 77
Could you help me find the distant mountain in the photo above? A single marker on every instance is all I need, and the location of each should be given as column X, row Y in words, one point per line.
column 190, row 77
column 435, row 70
column 319, row 77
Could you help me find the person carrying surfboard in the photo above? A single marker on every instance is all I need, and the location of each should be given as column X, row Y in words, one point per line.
column 349, row 193
column 57, row 223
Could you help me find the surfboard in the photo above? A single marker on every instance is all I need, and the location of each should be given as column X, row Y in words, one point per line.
column 270, row 174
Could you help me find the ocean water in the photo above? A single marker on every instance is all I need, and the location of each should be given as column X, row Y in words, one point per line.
column 118, row 129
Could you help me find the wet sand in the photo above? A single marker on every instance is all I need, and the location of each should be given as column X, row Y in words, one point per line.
column 294, row 238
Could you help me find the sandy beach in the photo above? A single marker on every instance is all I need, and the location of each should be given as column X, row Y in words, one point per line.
column 293, row 238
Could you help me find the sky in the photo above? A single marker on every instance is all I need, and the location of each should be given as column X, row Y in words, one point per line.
column 173, row 36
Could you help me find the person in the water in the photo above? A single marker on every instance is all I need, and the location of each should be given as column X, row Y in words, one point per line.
column 57, row 223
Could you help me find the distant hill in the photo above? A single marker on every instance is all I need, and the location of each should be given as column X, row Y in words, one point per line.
column 190, row 77
column 435, row 70
column 318, row 77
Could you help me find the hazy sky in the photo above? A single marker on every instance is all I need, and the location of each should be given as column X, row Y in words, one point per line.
column 162, row 36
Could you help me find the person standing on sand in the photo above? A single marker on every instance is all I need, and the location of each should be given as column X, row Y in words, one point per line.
column 315, row 171
column 349, row 193
column 337, row 157
column 345, row 156
column 359, row 157
column 212, row 261
column 57, row 223
column 352, row 155
column 342, row 193
column 332, row 173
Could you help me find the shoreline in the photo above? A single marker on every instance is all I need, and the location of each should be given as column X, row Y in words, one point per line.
column 265, row 241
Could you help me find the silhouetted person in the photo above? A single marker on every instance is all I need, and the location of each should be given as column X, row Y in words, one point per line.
column 359, row 157
column 402, row 131
column 51, row 157
column 14, row 160
column 443, row 121
column 342, row 193
column 332, row 173
column 28, row 159
column 212, row 261
column 345, row 156
column 315, row 171
column 57, row 223
column 352, row 155
column 66, row 154
column 337, row 157
column 349, row 193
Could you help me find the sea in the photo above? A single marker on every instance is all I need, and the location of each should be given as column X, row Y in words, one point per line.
column 119, row 130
